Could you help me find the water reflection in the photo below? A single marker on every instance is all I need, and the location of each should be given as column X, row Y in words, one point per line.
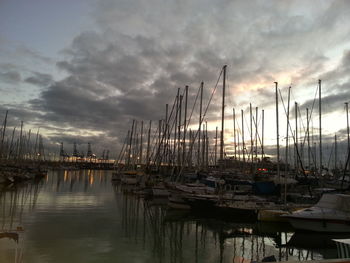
column 79, row 216
column 14, row 202
column 182, row 236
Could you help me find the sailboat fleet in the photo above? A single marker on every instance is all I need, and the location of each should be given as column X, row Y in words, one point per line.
column 180, row 163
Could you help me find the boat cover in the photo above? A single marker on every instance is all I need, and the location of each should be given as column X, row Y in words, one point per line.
column 335, row 201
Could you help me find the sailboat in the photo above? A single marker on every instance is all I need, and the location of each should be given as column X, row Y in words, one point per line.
column 330, row 214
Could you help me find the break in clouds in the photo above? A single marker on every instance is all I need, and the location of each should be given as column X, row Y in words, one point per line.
column 132, row 63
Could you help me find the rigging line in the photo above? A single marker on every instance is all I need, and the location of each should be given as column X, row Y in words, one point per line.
column 211, row 96
column 257, row 126
column 201, row 121
column 308, row 118
column 293, row 136
column 251, row 139
column 195, row 101
column 122, row 151
column 154, row 136
column 285, row 111
column 313, row 104
column 330, row 155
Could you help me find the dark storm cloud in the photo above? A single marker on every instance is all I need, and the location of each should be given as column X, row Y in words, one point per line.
column 17, row 114
column 335, row 87
column 11, row 77
column 40, row 79
column 133, row 64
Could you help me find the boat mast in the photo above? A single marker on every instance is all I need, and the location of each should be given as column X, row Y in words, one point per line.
column 234, row 133
column 179, row 134
column 200, row 126
column 130, row 143
column 347, row 126
column 166, row 148
column 206, row 146
column 251, row 136
column 20, row 142
column 203, row 147
column 277, row 133
column 222, row 118
column 308, row 137
column 320, row 123
column 287, row 149
column 185, row 127
column 296, row 165
column 3, row 133
column 141, row 142
column 175, row 128
column 243, row 144
column 262, row 135
column 256, row 133
column 335, row 152
column 216, row 145
column 190, row 149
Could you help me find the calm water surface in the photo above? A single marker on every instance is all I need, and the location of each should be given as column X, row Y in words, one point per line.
column 79, row 216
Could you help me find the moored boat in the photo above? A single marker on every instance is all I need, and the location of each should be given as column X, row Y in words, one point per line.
column 330, row 214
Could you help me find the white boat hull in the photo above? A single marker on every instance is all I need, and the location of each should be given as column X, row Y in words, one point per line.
column 334, row 226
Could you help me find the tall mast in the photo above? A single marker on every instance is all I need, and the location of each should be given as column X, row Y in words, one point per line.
column 185, row 126
column 296, row 138
column 287, row 149
column 243, row 144
column 308, row 137
column 141, row 142
column 262, row 134
column 335, row 152
column 203, row 147
column 277, row 133
column 216, row 146
column 134, row 146
column 179, row 133
column 206, row 146
column 148, row 143
column 347, row 126
column 166, row 153
column 175, row 128
column 160, row 141
column 11, row 144
column 36, row 143
column 130, row 143
column 238, row 146
column 251, row 135
column 234, row 133
column 223, row 117
column 256, row 133
column 190, row 149
column 3, row 133
column 200, row 124
column 20, row 142
column 320, row 123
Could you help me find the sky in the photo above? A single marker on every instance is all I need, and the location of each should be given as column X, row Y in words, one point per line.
column 81, row 71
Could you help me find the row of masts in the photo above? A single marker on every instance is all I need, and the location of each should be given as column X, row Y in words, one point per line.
column 176, row 142
column 20, row 145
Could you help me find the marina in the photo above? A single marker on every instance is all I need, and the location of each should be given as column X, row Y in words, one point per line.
column 81, row 216
column 174, row 131
column 171, row 182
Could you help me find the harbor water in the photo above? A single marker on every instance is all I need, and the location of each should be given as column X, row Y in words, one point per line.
column 80, row 216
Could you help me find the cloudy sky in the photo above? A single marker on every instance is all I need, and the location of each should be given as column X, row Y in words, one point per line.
column 82, row 70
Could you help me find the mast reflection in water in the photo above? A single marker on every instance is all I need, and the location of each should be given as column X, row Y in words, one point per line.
column 79, row 216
